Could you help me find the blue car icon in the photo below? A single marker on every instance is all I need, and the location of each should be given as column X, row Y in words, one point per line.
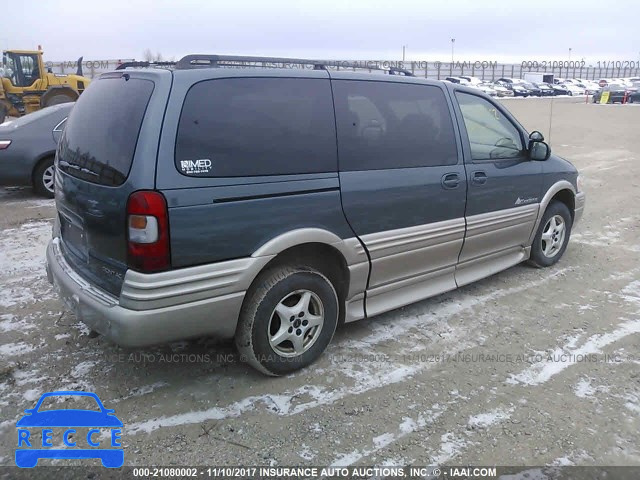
column 30, row 453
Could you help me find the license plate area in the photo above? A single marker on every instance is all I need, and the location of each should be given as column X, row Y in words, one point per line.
column 74, row 236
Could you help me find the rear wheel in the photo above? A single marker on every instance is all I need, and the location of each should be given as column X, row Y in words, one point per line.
column 552, row 236
column 287, row 320
column 43, row 178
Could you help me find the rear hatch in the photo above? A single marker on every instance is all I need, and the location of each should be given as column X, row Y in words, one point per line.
column 107, row 151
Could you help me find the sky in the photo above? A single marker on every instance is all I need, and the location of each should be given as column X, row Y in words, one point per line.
column 504, row 31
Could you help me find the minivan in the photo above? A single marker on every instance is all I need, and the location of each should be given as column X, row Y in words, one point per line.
column 228, row 197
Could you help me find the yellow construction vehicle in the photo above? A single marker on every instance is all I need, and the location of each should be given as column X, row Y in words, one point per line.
column 26, row 86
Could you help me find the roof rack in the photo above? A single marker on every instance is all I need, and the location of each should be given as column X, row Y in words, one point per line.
column 135, row 64
column 212, row 61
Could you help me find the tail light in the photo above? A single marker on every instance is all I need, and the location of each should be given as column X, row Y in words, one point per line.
column 148, row 232
column 4, row 144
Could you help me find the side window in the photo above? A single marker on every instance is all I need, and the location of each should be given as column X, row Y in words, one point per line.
column 384, row 125
column 257, row 126
column 491, row 135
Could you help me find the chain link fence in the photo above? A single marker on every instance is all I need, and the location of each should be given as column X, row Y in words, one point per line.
column 485, row 70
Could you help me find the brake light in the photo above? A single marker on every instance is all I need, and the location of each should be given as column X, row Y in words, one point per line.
column 4, row 144
column 148, row 232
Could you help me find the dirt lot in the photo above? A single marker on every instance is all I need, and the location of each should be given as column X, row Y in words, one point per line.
column 528, row 367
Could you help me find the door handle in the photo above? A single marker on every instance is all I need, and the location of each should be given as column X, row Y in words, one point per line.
column 479, row 178
column 450, row 180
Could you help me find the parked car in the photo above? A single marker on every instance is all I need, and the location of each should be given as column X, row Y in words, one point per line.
column 560, row 89
column 518, row 90
column 634, row 96
column 589, row 87
column 574, row 90
column 247, row 226
column 487, row 88
column 28, row 146
column 545, row 89
column 475, row 82
column 472, row 80
column 533, row 90
column 616, row 91
column 501, row 91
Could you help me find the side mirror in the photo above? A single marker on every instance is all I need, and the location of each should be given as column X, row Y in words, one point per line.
column 536, row 136
column 539, row 151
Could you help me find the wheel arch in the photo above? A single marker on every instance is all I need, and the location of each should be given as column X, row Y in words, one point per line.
column 344, row 262
column 322, row 256
column 563, row 191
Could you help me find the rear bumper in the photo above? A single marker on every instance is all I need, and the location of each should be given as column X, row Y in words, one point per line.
column 164, row 307
column 579, row 209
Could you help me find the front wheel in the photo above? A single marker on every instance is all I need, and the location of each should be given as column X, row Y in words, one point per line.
column 287, row 320
column 552, row 236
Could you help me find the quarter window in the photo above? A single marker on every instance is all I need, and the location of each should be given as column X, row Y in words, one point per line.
column 385, row 125
column 491, row 135
column 257, row 126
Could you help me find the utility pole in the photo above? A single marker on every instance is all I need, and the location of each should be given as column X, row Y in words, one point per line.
column 453, row 41
column 569, row 53
column 403, row 51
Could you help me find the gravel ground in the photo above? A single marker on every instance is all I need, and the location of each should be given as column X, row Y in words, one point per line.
column 527, row 367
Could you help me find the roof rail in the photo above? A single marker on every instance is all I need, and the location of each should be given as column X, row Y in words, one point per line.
column 211, row 61
column 135, row 64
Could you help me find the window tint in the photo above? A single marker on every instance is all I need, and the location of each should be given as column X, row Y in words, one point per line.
column 257, row 126
column 491, row 135
column 384, row 125
column 101, row 133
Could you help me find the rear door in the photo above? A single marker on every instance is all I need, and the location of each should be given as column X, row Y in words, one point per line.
column 403, row 186
column 504, row 188
column 108, row 150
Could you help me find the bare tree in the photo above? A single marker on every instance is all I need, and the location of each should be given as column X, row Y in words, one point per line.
column 149, row 56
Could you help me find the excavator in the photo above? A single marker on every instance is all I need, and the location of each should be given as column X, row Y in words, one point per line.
column 25, row 85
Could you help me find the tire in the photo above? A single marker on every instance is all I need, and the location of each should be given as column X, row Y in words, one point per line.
column 550, row 242
column 43, row 177
column 303, row 295
column 58, row 99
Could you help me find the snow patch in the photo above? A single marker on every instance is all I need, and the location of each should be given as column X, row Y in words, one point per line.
column 564, row 357
column 450, row 446
column 32, row 395
column 305, row 453
column 82, row 369
column 366, row 376
column 484, row 420
column 15, row 349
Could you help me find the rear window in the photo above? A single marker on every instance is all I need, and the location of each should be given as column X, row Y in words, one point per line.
column 257, row 126
column 101, row 134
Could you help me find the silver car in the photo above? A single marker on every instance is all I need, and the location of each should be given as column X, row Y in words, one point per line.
column 28, row 146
